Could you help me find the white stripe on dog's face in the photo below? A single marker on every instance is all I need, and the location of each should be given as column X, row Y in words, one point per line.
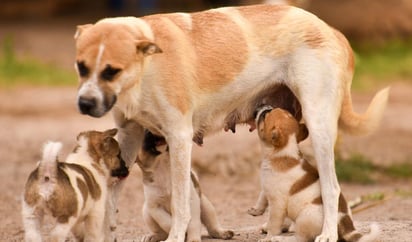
column 90, row 88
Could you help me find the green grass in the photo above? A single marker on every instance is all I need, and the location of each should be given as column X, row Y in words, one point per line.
column 359, row 169
column 15, row 71
column 382, row 64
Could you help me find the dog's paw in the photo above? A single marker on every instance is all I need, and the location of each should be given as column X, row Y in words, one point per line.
column 255, row 212
column 326, row 238
column 227, row 234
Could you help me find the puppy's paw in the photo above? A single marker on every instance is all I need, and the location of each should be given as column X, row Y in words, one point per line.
column 226, row 234
column 255, row 211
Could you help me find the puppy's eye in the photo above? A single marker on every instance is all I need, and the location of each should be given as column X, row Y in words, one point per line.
column 109, row 73
column 83, row 69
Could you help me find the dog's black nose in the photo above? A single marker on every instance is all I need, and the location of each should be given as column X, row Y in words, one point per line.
column 86, row 105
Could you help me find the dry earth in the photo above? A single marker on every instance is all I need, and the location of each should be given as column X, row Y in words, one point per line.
column 228, row 164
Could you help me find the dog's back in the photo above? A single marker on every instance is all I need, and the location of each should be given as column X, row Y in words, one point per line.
column 292, row 185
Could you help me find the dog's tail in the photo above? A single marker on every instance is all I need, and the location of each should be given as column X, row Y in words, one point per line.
column 365, row 123
column 355, row 235
column 48, row 168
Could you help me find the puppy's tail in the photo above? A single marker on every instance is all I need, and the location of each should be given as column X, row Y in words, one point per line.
column 348, row 232
column 365, row 123
column 48, row 168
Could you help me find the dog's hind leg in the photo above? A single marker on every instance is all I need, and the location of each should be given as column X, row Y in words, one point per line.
column 209, row 219
column 31, row 223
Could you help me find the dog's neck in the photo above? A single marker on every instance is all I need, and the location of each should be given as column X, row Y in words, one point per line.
column 291, row 149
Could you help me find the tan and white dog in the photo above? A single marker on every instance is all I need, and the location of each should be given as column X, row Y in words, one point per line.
column 179, row 75
column 155, row 166
column 291, row 185
column 73, row 192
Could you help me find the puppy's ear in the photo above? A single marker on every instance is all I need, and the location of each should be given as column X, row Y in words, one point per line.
column 110, row 132
column 147, row 48
column 110, row 146
column 303, row 133
column 80, row 29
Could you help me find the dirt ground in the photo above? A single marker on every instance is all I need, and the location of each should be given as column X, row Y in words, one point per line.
column 228, row 163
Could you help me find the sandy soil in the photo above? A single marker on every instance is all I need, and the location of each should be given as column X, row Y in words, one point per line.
column 228, row 164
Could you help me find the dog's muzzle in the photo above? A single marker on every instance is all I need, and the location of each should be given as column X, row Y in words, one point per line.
column 122, row 171
column 87, row 105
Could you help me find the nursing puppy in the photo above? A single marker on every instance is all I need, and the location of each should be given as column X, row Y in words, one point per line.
column 291, row 185
column 73, row 192
column 155, row 166
column 180, row 75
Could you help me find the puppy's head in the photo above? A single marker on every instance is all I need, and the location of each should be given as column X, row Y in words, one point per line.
column 105, row 151
column 109, row 60
column 276, row 126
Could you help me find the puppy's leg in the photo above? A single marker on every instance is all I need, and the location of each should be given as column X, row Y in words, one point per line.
column 94, row 225
column 308, row 223
column 160, row 216
column 31, row 223
column 277, row 214
column 260, row 206
column 60, row 232
column 180, row 144
column 195, row 225
column 78, row 231
column 157, row 233
column 209, row 219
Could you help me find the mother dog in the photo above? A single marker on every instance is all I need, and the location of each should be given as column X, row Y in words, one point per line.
column 180, row 75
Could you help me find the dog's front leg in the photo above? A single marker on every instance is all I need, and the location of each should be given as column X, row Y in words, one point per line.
column 180, row 145
column 130, row 136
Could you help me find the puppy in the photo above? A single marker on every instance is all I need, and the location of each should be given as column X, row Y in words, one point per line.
column 73, row 192
column 180, row 74
column 291, row 185
column 155, row 166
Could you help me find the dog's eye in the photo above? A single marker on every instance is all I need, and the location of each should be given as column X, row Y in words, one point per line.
column 82, row 68
column 109, row 73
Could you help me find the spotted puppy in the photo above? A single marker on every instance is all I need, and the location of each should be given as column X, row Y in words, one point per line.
column 73, row 192
column 291, row 185
column 155, row 166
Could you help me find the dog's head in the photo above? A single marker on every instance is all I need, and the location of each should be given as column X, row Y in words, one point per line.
column 109, row 60
column 276, row 126
column 105, row 151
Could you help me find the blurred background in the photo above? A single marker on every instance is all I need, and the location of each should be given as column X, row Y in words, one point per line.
column 38, row 92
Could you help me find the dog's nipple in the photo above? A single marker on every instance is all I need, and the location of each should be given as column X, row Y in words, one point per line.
column 46, row 178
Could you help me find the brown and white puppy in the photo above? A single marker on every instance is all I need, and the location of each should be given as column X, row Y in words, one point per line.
column 291, row 185
column 180, row 75
column 73, row 192
column 155, row 166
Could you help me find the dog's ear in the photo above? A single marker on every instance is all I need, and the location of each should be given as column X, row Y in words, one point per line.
column 110, row 132
column 303, row 133
column 80, row 29
column 147, row 48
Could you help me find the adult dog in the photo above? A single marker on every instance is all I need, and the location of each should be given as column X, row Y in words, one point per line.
column 180, row 75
